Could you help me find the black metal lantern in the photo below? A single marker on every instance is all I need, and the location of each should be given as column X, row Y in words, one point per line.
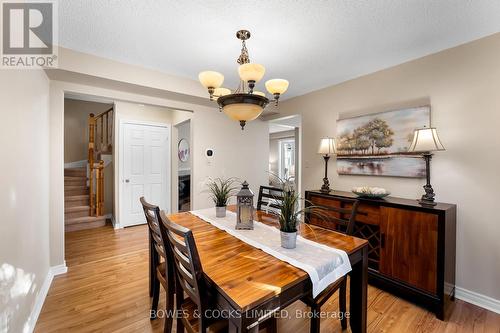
column 244, row 213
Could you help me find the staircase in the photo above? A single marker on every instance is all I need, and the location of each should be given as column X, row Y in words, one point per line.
column 77, row 213
column 84, row 187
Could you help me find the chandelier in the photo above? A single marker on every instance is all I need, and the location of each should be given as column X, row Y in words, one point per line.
column 243, row 104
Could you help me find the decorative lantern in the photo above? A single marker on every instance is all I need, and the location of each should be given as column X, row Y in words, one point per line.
column 244, row 214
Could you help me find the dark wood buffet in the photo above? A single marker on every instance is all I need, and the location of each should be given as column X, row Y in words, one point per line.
column 411, row 247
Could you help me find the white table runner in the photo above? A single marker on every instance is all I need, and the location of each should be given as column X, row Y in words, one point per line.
column 324, row 264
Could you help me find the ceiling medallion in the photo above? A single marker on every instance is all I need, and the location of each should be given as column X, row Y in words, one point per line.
column 243, row 104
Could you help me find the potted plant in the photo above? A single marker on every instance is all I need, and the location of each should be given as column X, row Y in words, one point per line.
column 221, row 189
column 291, row 215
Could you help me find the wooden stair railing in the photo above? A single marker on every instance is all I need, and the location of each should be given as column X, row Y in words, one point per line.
column 100, row 130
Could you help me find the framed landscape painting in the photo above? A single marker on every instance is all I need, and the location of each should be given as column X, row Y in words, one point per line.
column 377, row 144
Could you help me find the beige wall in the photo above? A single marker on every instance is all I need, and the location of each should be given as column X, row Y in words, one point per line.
column 241, row 154
column 24, row 195
column 462, row 85
column 76, row 136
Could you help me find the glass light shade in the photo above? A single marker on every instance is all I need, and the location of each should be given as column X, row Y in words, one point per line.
column 277, row 86
column 218, row 92
column 425, row 140
column 260, row 93
column 211, row 79
column 251, row 72
column 243, row 111
column 327, row 146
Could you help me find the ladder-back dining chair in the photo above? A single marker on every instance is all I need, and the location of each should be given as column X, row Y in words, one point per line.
column 343, row 219
column 270, row 198
column 190, row 282
column 162, row 271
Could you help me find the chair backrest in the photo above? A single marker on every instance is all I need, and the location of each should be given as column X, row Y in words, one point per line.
column 270, row 197
column 152, row 214
column 187, row 262
column 343, row 216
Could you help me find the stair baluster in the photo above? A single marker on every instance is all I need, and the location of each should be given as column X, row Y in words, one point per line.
column 96, row 164
column 92, row 128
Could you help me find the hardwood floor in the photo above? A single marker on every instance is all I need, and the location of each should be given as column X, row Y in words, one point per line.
column 106, row 290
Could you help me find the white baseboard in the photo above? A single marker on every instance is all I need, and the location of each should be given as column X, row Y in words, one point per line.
column 59, row 269
column 29, row 326
column 483, row 301
column 115, row 224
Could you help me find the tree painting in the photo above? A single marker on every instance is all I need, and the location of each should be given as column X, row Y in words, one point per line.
column 377, row 144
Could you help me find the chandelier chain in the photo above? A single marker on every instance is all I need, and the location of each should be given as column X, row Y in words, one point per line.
column 244, row 57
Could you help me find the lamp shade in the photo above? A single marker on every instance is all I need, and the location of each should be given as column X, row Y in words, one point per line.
column 277, row 86
column 327, row 146
column 260, row 93
column 211, row 79
column 425, row 139
column 218, row 92
column 251, row 72
column 243, row 111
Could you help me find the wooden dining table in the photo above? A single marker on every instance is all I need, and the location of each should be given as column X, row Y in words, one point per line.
column 248, row 282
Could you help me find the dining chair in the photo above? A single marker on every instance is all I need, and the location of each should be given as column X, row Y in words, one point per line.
column 191, row 282
column 162, row 271
column 269, row 198
column 343, row 219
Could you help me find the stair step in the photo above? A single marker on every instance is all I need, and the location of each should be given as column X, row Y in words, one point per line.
column 75, row 180
column 81, row 223
column 75, row 172
column 76, row 211
column 76, row 200
column 71, row 190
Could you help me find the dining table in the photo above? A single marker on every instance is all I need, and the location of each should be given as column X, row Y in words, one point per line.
column 250, row 285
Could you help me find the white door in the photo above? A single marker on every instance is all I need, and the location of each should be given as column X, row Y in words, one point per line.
column 145, row 170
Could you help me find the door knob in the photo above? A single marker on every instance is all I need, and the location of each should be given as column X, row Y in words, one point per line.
column 127, row 180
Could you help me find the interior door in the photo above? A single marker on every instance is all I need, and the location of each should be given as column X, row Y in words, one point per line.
column 410, row 250
column 145, row 170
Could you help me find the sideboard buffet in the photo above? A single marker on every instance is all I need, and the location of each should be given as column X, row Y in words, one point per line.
column 411, row 247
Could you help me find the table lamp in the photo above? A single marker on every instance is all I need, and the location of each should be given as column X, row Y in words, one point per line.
column 424, row 141
column 326, row 148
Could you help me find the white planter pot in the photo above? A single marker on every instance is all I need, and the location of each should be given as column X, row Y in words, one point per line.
column 288, row 240
column 220, row 211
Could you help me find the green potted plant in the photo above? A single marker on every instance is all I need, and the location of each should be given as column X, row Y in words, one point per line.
column 221, row 189
column 291, row 215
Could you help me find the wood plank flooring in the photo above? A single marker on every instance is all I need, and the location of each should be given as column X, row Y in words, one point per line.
column 106, row 290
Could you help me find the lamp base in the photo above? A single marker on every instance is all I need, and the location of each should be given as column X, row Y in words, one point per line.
column 325, row 188
column 428, row 198
column 427, row 203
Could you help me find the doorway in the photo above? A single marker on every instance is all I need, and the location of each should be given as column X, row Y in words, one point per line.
column 88, row 163
column 184, row 174
column 145, row 161
column 284, row 151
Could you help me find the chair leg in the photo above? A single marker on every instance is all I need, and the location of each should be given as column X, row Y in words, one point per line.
column 169, row 315
column 179, row 296
column 315, row 319
column 156, row 298
column 342, row 304
column 273, row 325
column 270, row 325
column 152, row 273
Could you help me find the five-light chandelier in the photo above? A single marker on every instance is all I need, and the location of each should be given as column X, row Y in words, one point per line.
column 243, row 104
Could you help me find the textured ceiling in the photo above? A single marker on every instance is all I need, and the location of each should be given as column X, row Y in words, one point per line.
column 311, row 43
